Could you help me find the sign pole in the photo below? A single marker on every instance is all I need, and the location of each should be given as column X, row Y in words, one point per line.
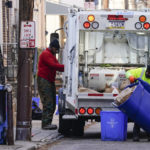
column 24, row 92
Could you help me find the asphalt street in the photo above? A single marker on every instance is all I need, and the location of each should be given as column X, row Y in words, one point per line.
column 92, row 140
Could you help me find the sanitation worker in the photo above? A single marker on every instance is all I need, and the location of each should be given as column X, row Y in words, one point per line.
column 47, row 67
column 132, row 75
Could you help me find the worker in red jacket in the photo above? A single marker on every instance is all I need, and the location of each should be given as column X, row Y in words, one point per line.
column 47, row 67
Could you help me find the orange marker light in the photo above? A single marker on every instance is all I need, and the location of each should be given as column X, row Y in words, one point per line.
column 97, row 110
column 91, row 18
column 146, row 25
column 86, row 24
column 142, row 18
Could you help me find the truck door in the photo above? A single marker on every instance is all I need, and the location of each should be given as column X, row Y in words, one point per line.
column 72, row 70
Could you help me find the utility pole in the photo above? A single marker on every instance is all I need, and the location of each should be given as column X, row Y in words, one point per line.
column 24, row 93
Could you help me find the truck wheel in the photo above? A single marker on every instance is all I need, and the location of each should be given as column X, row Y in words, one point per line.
column 78, row 128
column 64, row 126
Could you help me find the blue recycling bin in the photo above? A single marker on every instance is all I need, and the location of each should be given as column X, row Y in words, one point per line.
column 57, row 112
column 36, row 100
column 113, row 126
column 3, row 115
column 137, row 107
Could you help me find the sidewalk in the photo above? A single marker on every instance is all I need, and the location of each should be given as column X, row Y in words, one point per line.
column 39, row 137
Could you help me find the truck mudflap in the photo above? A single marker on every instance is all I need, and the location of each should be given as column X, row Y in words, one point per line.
column 71, row 126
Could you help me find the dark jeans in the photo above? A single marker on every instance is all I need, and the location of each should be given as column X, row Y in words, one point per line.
column 136, row 131
column 47, row 92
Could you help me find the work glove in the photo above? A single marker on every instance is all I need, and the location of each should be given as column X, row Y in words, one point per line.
column 132, row 79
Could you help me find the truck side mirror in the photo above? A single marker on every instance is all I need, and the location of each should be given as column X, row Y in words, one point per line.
column 54, row 36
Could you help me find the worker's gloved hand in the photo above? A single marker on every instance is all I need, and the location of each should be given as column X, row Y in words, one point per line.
column 132, row 79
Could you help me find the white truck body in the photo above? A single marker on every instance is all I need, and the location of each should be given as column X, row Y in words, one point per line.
column 97, row 54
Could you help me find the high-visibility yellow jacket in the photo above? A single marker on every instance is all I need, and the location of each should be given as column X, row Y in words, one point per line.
column 138, row 73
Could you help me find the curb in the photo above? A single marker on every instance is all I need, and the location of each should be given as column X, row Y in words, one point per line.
column 44, row 143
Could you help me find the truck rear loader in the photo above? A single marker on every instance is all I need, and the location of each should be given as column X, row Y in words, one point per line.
column 100, row 47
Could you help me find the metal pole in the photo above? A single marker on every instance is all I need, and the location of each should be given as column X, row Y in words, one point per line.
column 24, row 93
column 34, row 71
column 10, row 130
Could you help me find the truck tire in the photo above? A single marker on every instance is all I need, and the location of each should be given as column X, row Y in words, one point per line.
column 64, row 126
column 78, row 127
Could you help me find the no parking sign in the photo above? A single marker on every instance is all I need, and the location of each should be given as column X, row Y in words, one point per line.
column 27, row 35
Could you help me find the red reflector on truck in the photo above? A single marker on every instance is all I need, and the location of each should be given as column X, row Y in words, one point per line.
column 90, row 110
column 146, row 25
column 115, row 94
column 82, row 110
column 86, row 24
column 95, row 94
column 116, row 17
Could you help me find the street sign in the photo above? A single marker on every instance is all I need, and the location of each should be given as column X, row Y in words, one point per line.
column 27, row 35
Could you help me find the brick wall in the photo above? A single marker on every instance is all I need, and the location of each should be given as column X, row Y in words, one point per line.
column 9, row 38
column 0, row 23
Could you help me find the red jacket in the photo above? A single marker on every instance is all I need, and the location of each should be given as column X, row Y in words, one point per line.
column 48, row 65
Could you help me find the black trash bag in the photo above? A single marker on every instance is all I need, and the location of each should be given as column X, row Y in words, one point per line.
column 36, row 111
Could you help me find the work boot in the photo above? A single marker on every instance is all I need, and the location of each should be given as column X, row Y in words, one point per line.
column 136, row 138
column 148, row 136
column 136, row 133
column 49, row 127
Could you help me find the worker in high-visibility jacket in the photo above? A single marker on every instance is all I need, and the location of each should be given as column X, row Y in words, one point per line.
column 132, row 75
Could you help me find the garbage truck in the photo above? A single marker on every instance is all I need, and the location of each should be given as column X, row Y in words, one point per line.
column 100, row 47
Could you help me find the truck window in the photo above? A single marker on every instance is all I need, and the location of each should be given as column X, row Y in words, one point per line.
column 112, row 47
column 137, row 42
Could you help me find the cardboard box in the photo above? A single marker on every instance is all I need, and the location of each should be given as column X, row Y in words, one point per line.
column 124, row 95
